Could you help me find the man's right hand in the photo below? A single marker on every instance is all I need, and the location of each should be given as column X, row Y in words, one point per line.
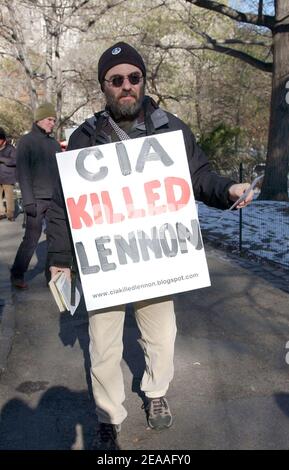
column 56, row 269
column 31, row 209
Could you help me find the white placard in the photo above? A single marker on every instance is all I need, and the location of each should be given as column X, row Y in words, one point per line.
column 133, row 220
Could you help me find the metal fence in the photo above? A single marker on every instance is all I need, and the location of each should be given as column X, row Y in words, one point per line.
column 259, row 231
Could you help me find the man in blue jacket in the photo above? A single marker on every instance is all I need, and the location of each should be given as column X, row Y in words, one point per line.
column 7, row 177
column 36, row 171
column 131, row 114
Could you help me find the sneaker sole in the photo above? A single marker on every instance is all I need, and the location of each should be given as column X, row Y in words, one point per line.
column 160, row 427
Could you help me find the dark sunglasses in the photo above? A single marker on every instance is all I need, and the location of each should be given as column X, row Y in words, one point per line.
column 134, row 78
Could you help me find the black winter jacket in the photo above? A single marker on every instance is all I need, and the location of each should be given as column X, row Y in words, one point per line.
column 8, row 165
column 36, row 165
column 208, row 187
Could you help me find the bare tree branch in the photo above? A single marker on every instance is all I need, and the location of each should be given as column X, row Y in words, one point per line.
column 219, row 47
column 9, row 54
column 67, row 117
column 260, row 8
column 242, row 42
column 27, row 107
column 267, row 21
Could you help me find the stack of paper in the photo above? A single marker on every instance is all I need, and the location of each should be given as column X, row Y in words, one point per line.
column 60, row 287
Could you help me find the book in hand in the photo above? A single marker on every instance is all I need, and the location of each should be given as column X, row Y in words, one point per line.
column 60, row 287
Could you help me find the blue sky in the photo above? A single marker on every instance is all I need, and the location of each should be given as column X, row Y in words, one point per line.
column 248, row 5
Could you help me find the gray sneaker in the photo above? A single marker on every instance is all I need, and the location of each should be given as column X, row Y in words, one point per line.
column 106, row 438
column 158, row 413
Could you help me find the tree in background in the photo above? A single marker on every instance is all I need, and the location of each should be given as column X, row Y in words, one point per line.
column 208, row 90
column 50, row 51
column 41, row 38
column 275, row 181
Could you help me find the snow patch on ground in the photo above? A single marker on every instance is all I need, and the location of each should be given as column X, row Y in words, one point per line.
column 265, row 228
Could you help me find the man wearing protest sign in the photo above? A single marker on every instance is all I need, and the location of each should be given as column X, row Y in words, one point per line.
column 129, row 114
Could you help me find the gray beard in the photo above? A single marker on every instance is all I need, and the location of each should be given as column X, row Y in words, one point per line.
column 124, row 111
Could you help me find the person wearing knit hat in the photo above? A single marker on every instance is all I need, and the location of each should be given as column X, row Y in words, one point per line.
column 129, row 114
column 44, row 110
column 7, row 177
column 124, row 92
column 120, row 53
column 37, row 171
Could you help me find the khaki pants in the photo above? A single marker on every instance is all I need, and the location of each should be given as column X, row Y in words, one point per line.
column 7, row 190
column 156, row 321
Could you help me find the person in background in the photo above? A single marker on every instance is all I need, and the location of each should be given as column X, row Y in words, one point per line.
column 36, row 171
column 7, row 177
column 131, row 114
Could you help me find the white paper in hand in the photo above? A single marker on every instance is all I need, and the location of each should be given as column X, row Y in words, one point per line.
column 244, row 195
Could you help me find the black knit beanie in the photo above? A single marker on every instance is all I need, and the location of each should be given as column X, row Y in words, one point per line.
column 120, row 53
column 2, row 134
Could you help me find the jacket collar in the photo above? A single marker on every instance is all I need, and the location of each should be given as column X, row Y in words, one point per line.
column 39, row 130
column 158, row 117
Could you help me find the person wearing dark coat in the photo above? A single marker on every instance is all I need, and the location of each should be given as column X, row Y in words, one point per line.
column 131, row 114
column 7, row 177
column 36, row 171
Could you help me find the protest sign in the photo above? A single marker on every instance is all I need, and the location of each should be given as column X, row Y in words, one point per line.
column 133, row 220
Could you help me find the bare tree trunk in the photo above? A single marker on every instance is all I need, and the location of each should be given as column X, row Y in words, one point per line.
column 53, row 21
column 59, row 87
column 275, row 181
column 22, row 55
column 198, row 99
column 49, row 81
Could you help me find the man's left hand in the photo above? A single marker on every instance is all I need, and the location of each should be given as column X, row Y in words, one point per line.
column 237, row 190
